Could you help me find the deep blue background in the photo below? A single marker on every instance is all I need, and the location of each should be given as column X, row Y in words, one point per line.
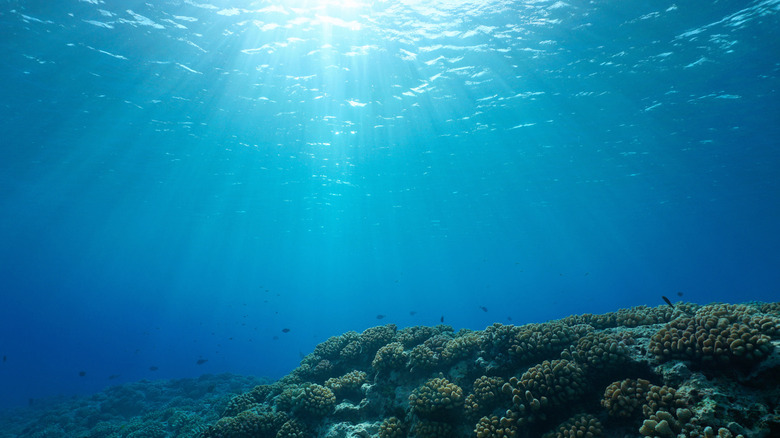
column 182, row 181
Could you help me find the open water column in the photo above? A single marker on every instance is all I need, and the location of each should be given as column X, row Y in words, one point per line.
column 383, row 219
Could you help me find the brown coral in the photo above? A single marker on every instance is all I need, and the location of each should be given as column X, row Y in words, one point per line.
column 486, row 396
column 292, row 429
column 248, row 423
column 536, row 341
column 546, row 385
column 579, row 426
column 432, row 429
column 717, row 334
column 495, row 427
column 389, row 357
column 437, row 395
column 662, row 397
column 374, row 337
column 461, row 347
column 392, row 428
column 314, row 401
column 411, row 336
column 347, row 385
column 331, row 348
column 663, row 424
column 600, row 352
column 624, row 399
column 422, row 358
column 238, row 404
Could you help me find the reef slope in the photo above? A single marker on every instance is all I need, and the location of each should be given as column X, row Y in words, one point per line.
column 682, row 371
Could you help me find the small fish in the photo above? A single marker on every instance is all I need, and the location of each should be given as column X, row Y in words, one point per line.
column 412, row 312
column 153, row 368
column 667, row 301
column 380, row 317
column 82, row 373
column 508, row 318
column 276, row 338
column 442, row 318
column 285, row 330
column 679, row 294
column 5, row 358
column 201, row 361
column 484, row 309
column 113, row 376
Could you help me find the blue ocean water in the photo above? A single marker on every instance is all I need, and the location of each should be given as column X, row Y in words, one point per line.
column 236, row 181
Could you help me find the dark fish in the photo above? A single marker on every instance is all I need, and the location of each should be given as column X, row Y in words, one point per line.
column 667, row 301
column 285, row 330
column 484, row 309
column 5, row 358
column 679, row 294
column 412, row 312
column 201, row 361
column 82, row 373
column 380, row 317
column 153, row 368
column 508, row 318
column 113, row 376
column 442, row 318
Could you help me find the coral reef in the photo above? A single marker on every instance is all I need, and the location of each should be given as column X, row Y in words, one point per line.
column 487, row 395
column 624, row 399
column 389, row 357
column 582, row 425
column 313, row 401
column 392, row 428
column 436, row 396
column 666, row 372
column 716, row 335
column 348, row 385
